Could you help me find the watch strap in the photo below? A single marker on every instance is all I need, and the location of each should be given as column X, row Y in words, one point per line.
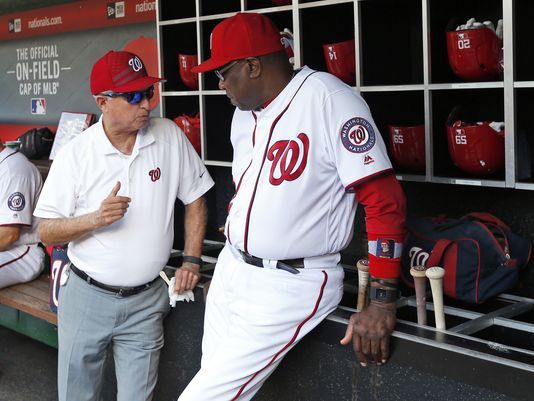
column 192, row 259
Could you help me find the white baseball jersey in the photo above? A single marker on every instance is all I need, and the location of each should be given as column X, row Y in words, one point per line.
column 163, row 166
column 295, row 163
column 20, row 185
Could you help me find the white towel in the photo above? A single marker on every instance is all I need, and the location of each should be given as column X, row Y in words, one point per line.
column 175, row 297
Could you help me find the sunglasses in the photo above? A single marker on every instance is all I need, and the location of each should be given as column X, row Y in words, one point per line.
column 219, row 73
column 133, row 97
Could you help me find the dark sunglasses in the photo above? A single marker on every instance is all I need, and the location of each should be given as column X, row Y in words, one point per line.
column 133, row 97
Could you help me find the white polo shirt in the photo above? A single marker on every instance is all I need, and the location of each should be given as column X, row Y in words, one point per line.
column 20, row 185
column 163, row 166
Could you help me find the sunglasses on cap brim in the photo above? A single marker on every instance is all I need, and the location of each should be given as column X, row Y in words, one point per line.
column 132, row 97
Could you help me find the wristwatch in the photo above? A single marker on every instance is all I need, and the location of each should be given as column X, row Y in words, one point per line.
column 383, row 294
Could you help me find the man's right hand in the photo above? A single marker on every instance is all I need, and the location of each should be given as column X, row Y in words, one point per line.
column 112, row 208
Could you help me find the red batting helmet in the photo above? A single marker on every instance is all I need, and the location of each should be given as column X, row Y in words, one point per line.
column 340, row 60
column 475, row 148
column 186, row 62
column 475, row 54
column 191, row 127
column 408, row 146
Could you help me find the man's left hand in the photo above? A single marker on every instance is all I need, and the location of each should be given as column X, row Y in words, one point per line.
column 370, row 331
column 186, row 277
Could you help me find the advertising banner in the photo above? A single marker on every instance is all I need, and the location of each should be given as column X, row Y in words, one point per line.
column 77, row 16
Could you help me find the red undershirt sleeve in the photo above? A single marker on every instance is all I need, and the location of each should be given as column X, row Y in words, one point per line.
column 385, row 218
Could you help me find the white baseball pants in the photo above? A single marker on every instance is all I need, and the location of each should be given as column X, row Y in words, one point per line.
column 254, row 316
column 21, row 264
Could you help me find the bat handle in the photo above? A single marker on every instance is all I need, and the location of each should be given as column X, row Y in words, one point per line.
column 435, row 275
column 363, row 281
column 419, row 278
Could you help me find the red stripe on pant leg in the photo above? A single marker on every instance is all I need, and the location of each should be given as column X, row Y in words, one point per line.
column 14, row 260
column 317, row 302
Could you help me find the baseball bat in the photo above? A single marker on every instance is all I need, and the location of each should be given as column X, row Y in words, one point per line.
column 363, row 280
column 435, row 275
column 419, row 279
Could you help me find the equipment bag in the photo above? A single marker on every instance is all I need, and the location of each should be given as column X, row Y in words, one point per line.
column 36, row 143
column 481, row 256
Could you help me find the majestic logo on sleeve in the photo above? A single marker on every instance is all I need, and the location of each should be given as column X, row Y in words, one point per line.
column 357, row 135
column 289, row 159
column 155, row 174
column 16, row 202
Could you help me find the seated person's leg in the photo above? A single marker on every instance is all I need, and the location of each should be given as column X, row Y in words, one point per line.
column 20, row 264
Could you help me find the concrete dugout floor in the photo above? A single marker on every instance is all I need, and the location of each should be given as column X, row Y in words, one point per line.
column 27, row 368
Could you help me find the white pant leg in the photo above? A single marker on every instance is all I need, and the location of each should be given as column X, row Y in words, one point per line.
column 264, row 312
column 20, row 264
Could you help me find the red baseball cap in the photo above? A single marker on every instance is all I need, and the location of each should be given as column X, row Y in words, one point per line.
column 120, row 71
column 241, row 36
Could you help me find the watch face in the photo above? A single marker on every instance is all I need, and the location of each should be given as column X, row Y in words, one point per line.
column 382, row 294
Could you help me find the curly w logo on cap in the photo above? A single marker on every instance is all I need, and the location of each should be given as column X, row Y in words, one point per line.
column 120, row 71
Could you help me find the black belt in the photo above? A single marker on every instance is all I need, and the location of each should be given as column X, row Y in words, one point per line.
column 122, row 291
column 289, row 265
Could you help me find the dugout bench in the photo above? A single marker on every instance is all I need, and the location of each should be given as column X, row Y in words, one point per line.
column 24, row 308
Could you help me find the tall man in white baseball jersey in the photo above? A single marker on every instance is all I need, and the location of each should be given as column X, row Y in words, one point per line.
column 304, row 143
column 110, row 193
column 21, row 259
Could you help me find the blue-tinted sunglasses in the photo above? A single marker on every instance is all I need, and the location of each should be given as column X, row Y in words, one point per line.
column 133, row 97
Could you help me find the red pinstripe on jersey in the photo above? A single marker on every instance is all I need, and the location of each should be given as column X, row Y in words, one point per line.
column 291, row 341
column 268, row 145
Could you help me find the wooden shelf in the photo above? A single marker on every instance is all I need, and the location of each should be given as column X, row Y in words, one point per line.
column 412, row 59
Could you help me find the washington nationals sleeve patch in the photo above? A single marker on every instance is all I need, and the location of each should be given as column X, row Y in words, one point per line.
column 358, row 135
column 16, row 202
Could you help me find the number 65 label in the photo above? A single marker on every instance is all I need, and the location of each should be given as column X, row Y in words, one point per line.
column 460, row 138
column 398, row 138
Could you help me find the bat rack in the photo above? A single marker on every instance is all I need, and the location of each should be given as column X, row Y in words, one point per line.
column 502, row 335
column 500, row 331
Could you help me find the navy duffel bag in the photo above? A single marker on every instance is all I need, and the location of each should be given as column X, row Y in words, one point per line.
column 481, row 256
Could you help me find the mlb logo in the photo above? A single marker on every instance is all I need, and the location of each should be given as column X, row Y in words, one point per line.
column 38, row 106
column 111, row 10
column 14, row 25
column 116, row 10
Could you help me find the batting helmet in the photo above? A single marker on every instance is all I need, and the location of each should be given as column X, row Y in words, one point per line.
column 475, row 54
column 186, row 62
column 340, row 60
column 190, row 125
column 475, row 148
column 407, row 146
